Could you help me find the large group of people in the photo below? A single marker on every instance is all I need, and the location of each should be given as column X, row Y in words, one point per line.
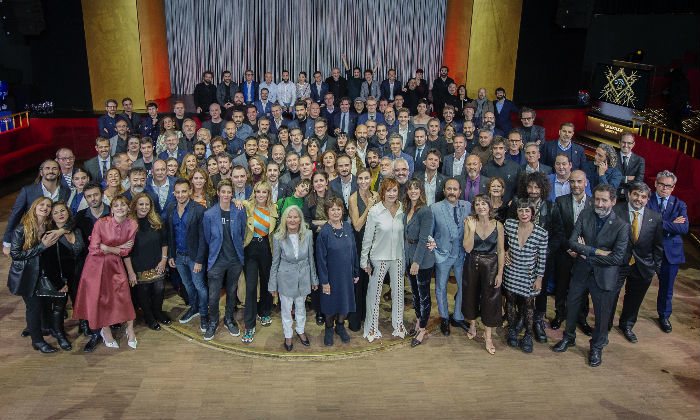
column 318, row 192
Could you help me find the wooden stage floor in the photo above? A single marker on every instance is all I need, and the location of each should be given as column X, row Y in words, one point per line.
column 169, row 376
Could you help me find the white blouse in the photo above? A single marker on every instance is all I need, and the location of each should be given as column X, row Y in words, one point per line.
column 383, row 238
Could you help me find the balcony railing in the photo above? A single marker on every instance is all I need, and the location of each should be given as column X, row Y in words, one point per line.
column 14, row 122
column 670, row 138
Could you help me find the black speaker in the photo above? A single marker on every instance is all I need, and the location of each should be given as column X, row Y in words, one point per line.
column 574, row 14
column 27, row 16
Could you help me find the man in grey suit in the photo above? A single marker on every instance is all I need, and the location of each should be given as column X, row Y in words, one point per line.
column 530, row 132
column 532, row 161
column 600, row 240
column 98, row 166
column 643, row 258
column 472, row 182
column 630, row 165
column 453, row 165
column 433, row 181
column 448, row 231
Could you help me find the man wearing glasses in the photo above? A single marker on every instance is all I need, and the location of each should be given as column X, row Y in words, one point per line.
column 631, row 165
column 529, row 131
column 675, row 221
column 66, row 161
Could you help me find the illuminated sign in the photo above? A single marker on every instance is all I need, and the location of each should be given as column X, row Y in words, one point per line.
column 608, row 129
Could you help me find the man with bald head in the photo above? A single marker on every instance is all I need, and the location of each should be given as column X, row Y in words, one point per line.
column 471, row 181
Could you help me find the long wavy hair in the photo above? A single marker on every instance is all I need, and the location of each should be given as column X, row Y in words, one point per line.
column 32, row 226
column 257, row 178
column 209, row 190
column 152, row 216
column 130, row 214
column 262, row 185
column 282, row 231
column 183, row 172
column 70, row 222
column 414, row 183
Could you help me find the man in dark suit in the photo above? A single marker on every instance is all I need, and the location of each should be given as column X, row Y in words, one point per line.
column 532, row 161
column 161, row 185
column 249, row 88
column 48, row 186
column 337, row 85
column 344, row 121
column 565, row 213
column 675, row 221
column 433, row 181
column 530, row 132
column 345, row 183
column 278, row 188
column 453, row 165
column 471, row 181
column 600, row 242
column 263, row 105
column 564, row 145
column 419, row 150
column 503, row 168
column 137, row 184
column 390, row 87
column 643, row 258
column 440, row 89
column 503, row 108
column 205, row 93
column 630, row 165
column 319, row 88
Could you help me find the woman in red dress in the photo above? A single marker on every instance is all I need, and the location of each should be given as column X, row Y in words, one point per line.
column 104, row 297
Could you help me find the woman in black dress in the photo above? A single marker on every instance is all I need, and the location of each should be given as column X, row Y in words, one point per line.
column 146, row 264
column 338, row 270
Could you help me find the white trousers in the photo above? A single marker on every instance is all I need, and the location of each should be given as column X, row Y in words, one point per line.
column 395, row 268
column 299, row 314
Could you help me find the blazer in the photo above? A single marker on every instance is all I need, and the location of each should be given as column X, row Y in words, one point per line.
column 635, row 167
column 284, row 189
column 439, row 183
column 447, row 163
column 366, row 90
column 544, row 169
column 249, row 206
column 552, row 194
column 25, row 270
column 196, row 248
column 384, row 235
column 328, row 115
column 409, row 159
column 673, row 242
column 503, row 118
column 364, row 117
column 536, row 133
column 611, row 177
column 386, row 91
column 23, row 202
column 648, row 251
column 563, row 221
column 171, row 194
column 221, row 92
column 416, row 237
column 418, row 164
column 614, row 237
column 550, row 149
column 352, row 122
column 213, row 232
column 409, row 135
column 336, row 187
column 292, row 276
column 448, row 235
column 180, row 155
column 92, row 166
column 317, row 95
column 483, row 184
column 243, row 88
column 264, row 109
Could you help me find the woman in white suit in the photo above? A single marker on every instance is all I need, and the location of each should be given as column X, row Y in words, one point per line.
column 293, row 272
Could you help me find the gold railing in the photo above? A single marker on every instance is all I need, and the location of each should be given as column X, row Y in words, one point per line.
column 14, row 121
column 670, row 138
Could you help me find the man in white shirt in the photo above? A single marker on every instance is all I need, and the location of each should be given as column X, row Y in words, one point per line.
column 271, row 87
column 286, row 91
column 454, row 163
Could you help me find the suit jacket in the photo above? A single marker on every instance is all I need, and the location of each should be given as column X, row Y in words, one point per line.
column 337, row 189
column 284, row 189
column 317, row 95
column 418, row 165
column 409, row 135
column 552, row 195
column 416, row 235
column 447, row 163
column 213, row 232
column 563, row 221
column 635, row 167
column 273, row 125
column 243, row 88
column 483, row 184
column 180, row 155
column 171, row 195
column 550, row 150
column 448, row 235
column 292, row 276
column 23, row 202
column 503, row 118
column 194, row 213
column 439, row 183
column 648, row 251
column 363, row 118
column 351, row 123
column 673, row 241
column 386, row 91
column 221, row 92
column 366, row 90
column 545, row 169
column 92, row 166
column 613, row 237
column 265, row 109
column 611, row 177
column 536, row 133
column 325, row 113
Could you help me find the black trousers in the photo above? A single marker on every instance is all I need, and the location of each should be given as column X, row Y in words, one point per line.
column 36, row 307
column 541, row 299
column 150, row 299
column 356, row 318
column 258, row 260
column 224, row 273
column 420, row 286
column 635, row 289
column 562, row 266
column 603, row 301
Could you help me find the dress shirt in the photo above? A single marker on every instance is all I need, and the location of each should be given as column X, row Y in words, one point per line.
column 404, row 135
column 347, row 187
column 271, row 91
column 561, row 188
column 578, row 206
column 239, row 195
column 458, row 165
column 472, row 188
column 430, row 187
column 180, row 231
column 274, row 188
column 286, row 93
column 529, row 170
column 391, row 91
column 162, row 191
column 344, row 121
column 53, row 196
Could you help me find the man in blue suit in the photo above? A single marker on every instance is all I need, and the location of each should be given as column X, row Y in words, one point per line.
column 223, row 228
column 249, row 88
column 390, row 87
column 448, row 232
column 674, row 213
column 172, row 149
column 161, row 185
column 319, row 88
column 48, row 186
column 564, row 145
column 263, row 105
column 503, row 109
column 344, row 121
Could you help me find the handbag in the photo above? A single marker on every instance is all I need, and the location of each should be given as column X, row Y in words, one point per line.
column 45, row 287
column 149, row 276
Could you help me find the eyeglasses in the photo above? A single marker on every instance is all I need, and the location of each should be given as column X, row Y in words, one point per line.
column 668, row 186
column 526, row 118
column 67, row 158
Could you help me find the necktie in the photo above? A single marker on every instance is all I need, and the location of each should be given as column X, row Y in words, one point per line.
column 625, row 161
column 418, row 153
column 662, row 204
column 104, row 168
column 454, row 214
column 635, row 231
column 342, row 124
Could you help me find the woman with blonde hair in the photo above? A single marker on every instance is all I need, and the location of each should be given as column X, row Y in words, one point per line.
column 203, row 191
column 188, row 165
column 256, row 167
column 328, row 159
column 293, row 272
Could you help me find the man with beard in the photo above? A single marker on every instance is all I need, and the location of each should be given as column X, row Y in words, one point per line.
column 286, row 92
column 278, row 190
column 530, row 132
column 106, row 124
column 119, row 142
column 291, row 173
column 396, row 153
column 401, row 174
column 278, row 119
column 374, row 169
column 473, row 183
column 226, row 89
column 600, row 240
column 503, row 108
column 361, row 141
column 243, row 131
column 440, row 89
column 137, row 184
column 381, row 143
column 483, row 146
column 337, row 85
column 321, row 133
column 469, row 131
column 386, row 170
column 200, row 152
column 131, row 117
column 345, row 183
column 205, row 93
column 503, row 168
column 301, row 121
column 189, row 135
column 489, row 123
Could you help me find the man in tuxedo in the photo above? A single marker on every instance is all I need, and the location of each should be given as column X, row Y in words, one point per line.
column 600, row 240
column 530, row 132
column 433, row 181
column 674, row 213
column 630, row 165
column 49, row 186
column 419, row 149
column 98, row 166
column 564, row 145
column 390, row 87
column 453, row 166
column 503, row 108
column 567, row 208
column 643, row 258
column 448, row 231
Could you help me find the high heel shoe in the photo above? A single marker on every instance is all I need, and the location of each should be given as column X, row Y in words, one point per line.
column 131, row 342
column 415, row 341
column 471, row 334
column 112, row 345
column 490, row 347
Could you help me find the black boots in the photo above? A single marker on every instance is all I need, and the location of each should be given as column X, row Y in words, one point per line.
column 513, row 336
column 525, row 343
column 328, row 337
column 340, row 330
column 57, row 330
column 538, row 328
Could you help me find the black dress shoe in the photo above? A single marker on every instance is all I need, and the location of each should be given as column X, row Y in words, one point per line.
column 629, row 334
column 585, row 328
column 538, row 330
column 555, row 324
column 154, row 326
column 563, row 345
column 44, row 347
column 525, row 343
column 459, row 324
column 164, row 319
column 304, row 342
column 320, row 319
column 595, row 357
column 85, row 328
column 91, row 345
column 25, row 332
column 445, row 327
column 62, row 340
column 289, row 346
column 665, row 325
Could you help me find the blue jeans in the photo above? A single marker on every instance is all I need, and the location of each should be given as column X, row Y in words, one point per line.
column 442, row 274
column 194, row 283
